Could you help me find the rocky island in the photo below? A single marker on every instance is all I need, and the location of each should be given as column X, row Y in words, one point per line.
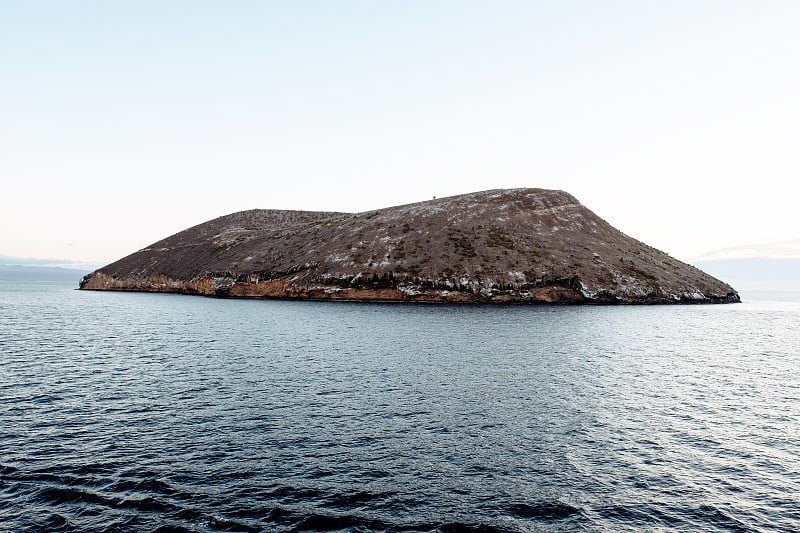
column 516, row 245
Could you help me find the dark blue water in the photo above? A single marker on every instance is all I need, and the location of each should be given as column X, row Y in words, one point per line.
column 141, row 412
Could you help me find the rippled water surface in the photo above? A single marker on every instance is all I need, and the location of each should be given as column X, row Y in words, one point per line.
column 144, row 412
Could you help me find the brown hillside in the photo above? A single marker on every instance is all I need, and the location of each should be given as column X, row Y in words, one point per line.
column 526, row 245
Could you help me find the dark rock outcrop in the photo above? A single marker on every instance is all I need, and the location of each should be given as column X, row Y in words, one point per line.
column 519, row 245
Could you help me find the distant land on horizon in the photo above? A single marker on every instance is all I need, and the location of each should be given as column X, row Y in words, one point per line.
column 755, row 273
column 40, row 273
column 502, row 245
column 771, row 266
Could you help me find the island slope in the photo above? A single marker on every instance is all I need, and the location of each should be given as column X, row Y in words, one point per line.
column 517, row 245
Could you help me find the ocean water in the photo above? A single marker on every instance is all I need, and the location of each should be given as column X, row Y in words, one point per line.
column 147, row 412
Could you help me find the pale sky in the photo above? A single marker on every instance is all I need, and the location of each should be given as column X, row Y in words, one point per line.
column 124, row 122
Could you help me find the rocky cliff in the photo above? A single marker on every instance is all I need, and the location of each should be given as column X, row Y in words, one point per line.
column 519, row 245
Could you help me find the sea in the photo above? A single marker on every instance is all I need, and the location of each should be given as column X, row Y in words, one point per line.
column 156, row 412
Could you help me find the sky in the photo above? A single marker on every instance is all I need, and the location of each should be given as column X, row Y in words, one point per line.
column 124, row 122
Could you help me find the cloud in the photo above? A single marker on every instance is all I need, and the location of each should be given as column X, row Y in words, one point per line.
column 778, row 250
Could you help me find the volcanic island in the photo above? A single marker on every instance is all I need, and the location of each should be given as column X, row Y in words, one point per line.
column 498, row 246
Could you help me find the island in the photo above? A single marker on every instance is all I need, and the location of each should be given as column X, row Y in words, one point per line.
column 497, row 246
